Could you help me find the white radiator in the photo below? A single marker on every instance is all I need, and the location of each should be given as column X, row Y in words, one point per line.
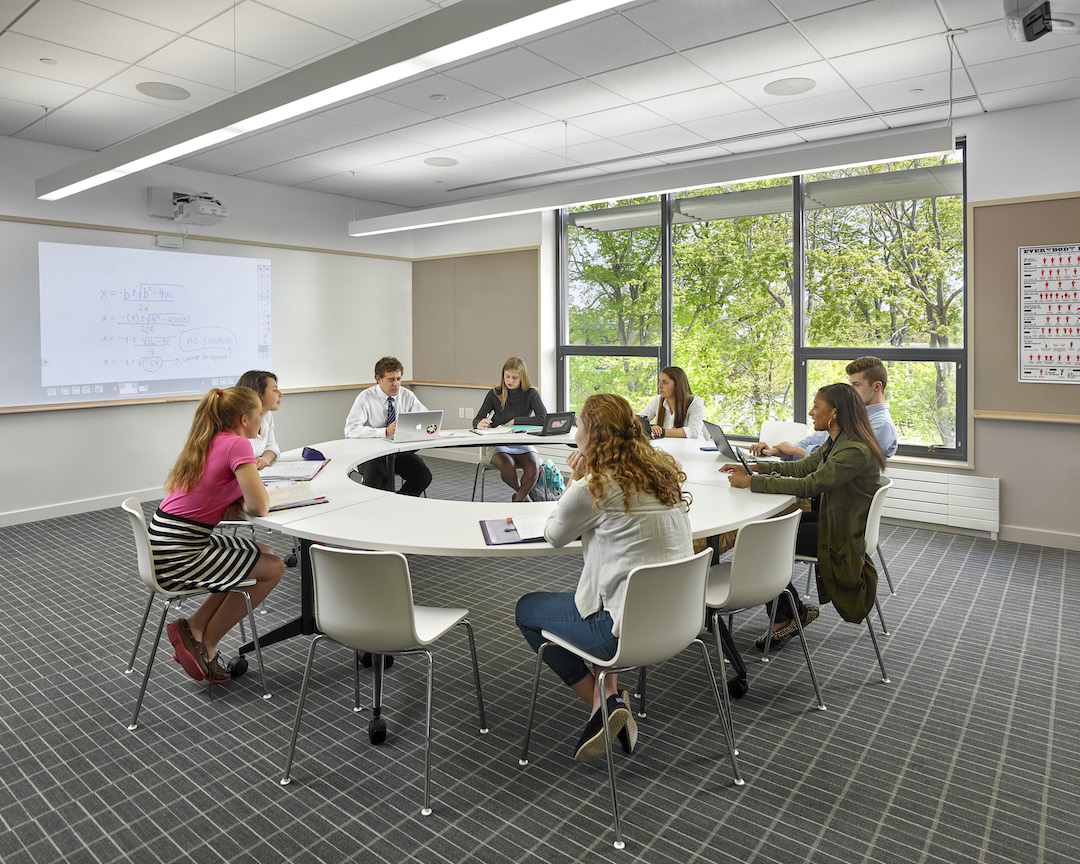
column 955, row 500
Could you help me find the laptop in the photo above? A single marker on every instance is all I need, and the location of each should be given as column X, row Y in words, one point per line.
column 557, row 424
column 724, row 446
column 418, row 426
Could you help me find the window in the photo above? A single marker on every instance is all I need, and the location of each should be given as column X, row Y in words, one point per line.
column 764, row 290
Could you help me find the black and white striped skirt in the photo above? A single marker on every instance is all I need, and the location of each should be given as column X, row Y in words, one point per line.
column 188, row 554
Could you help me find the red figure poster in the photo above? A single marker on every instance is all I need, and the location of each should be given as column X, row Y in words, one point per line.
column 1049, row 282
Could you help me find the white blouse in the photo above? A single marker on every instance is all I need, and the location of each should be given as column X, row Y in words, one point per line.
column 266, row 440
column 694, row 427
column 614, row 542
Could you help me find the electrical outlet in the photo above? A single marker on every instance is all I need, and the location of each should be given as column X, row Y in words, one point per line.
column 468, row 413
column 461, row 413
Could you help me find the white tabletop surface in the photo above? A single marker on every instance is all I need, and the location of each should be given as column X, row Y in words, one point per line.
column 360, row 517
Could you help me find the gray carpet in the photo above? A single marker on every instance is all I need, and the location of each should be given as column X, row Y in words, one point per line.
column 971, row 754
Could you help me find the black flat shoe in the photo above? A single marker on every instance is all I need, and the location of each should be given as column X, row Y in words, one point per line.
column 629, row 734
column 592, row 743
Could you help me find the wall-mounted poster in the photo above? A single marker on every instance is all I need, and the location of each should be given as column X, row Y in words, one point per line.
column 1049, row 314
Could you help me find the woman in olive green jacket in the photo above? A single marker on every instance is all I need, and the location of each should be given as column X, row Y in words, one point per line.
column 846, row 472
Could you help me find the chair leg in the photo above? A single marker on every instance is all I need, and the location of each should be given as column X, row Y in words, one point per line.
column 725, row 722
column 255, row 639
column 769, row 632
column 806, row 653
column 139, row 635
column 618, row 844
column 885, row 570
column 809, row 574
column 357, row 708
column 881, row 618
column 642, row 680
column 134, row 724
column 877, row 650
column 524, row 758
column 724, row 690
column 476, row 676
column 426, row 809
column 285, row 779
column 476, row 479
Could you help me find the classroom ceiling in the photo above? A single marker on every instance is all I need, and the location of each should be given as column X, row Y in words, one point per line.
column 653, row 82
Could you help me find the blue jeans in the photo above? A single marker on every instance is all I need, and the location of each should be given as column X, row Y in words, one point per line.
column 557, row 613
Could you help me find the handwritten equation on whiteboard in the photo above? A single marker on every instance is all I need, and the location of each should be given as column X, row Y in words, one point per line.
column 118, row 315
column 1049, row 314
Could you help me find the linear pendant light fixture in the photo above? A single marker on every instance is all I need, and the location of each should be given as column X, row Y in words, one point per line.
column 445, row 36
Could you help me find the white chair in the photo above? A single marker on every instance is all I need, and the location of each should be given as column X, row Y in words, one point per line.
column 873, row 522
column 663, row 613
column 364, row 602
column 759, row 572
column 483, row 465
column 149, row 578
column 775, row 431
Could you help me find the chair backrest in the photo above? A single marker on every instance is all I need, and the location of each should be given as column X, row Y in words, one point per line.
column 873, row 518
column 664, row 610
column 364, row 599
column 775, row 431
column 142, row 543
column 762, row 561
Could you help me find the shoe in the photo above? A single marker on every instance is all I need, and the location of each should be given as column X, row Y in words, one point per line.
column 779, row 637
column 185, row 649
column 809, row 615
column 628, row 735
column 215, row 672
column 592, row 742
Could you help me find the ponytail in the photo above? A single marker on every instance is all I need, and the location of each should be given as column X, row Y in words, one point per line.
column 217, row 411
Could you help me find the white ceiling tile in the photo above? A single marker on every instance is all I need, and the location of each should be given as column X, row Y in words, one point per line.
column 665, row 138
column 15, row 115
column 511, row 73
column 23, row 54
column 492, row 149
column 372, row 151
column 1024, row 71
column 170, row 14
column 273, row 36
column 906, row 60
column 968, row 13
column 871, row 25
column 754, row 53
column 325, row 130
column 753, row 89
column 698, row 104
column 639, row 163
column 685, row 24
column 991, row 42
column 210, row 64
column 69, row 22
column 77, row 130
column 357, row 20
column 129, row 112
column 934, row 88
column 501, row 117
column 620, row 121
column 653, row 78
column 765, row 142
column 417, row 95
column 287, row 173
column 125, row 83
column 440, row 133
column 796, row 9
column 571, row 100
column 36, row 90
column 552, row 136
column 1019, row 97
column 838, row 130
column 936, row 114
column 336, row 184
column 697, row 154
column 257, row 151
column 602, row 150
column 733, row 125
column 834, row 106
column 542, row 163
column 599, row 45
column 371, row 112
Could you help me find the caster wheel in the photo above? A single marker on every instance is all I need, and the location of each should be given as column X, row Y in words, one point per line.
column 736, row 688
column 292, row 561
column 376, row 730
column 238, row 666
column 365, row 661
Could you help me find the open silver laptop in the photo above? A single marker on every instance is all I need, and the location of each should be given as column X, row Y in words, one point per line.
column 418, row 426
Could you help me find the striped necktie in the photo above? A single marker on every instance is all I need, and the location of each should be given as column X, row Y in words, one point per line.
column 391, row 413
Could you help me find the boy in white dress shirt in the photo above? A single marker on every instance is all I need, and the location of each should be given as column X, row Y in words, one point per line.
column 374, row 415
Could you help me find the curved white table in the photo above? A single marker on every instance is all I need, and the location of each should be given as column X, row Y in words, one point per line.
column 360, row 517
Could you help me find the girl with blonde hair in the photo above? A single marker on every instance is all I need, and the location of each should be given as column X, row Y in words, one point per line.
column 625, row 501
column 213, row 479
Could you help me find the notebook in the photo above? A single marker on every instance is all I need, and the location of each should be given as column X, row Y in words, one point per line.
column 557, row 424
column 418, row 426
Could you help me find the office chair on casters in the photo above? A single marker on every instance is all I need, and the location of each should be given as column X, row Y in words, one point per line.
column 758, row 572
column 364, row 602
column 149, row 578
column 663, row 613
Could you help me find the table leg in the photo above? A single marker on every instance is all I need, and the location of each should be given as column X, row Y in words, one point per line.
column 304, row 625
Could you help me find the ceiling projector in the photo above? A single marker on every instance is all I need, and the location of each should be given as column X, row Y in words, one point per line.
column 1027, row 21
column 189, row 208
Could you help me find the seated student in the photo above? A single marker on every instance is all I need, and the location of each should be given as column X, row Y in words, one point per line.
column 846, row 472
column 626, row 503
column 677, row 412
column 869, row 378
column 265, row 444
column 513, row 397
column 374, row 415
column 213, row 479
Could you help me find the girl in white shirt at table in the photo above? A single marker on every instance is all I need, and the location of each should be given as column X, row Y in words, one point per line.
column 264, row 444
column 675, row 412
column 625, row 501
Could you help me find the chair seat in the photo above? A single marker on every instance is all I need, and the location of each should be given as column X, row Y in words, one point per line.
column 434, row 621
column 570, row 646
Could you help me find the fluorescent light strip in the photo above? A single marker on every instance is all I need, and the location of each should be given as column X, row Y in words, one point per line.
column 468, row 46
